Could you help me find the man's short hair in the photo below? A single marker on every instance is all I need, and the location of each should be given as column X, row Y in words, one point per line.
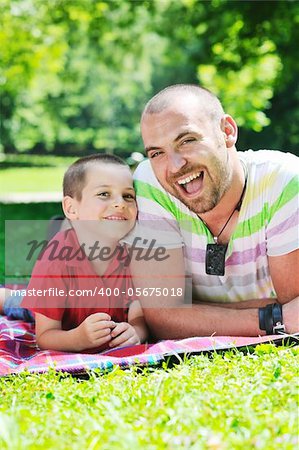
column 165, row 98
column 74, row 179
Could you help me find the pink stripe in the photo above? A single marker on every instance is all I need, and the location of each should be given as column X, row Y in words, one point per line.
column 284, row 226
column 252, row 254
column 155, row 222
column 199, row 255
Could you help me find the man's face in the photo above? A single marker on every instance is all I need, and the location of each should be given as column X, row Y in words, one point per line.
column 188, row 154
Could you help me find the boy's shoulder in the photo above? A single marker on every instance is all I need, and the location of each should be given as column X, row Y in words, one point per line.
column 61, row 249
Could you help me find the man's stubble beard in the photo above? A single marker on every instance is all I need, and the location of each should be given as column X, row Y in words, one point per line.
column 213, row 193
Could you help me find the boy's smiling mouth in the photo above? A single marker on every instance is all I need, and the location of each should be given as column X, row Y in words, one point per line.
column 115, row 217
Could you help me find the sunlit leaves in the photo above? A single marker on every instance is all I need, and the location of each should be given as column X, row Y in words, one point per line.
column 256, row 80
column 75, row 75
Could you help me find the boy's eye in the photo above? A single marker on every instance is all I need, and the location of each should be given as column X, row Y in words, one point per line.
column 103, row 194
column 129, row 197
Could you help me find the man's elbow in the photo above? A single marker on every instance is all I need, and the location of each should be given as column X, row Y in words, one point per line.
column 158, row 323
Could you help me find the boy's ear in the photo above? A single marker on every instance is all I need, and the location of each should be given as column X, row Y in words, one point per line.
column 69, row 206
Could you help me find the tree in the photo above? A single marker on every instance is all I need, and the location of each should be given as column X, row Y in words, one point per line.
column 76, row 73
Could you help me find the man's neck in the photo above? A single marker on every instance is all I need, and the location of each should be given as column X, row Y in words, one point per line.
column 216, row 218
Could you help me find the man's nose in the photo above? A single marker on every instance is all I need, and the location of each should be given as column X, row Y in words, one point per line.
column 175, row 162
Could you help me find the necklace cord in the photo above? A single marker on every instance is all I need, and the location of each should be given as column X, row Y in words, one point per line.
column 237, row 208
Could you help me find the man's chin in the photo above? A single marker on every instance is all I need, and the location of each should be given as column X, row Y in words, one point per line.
column 196, row 204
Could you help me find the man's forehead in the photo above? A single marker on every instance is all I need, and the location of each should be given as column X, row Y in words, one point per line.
column 173, row 118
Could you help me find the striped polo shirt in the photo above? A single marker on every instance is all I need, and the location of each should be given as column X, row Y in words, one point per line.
column 267, row 226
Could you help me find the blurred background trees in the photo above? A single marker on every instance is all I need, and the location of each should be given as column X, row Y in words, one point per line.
column 76, row 74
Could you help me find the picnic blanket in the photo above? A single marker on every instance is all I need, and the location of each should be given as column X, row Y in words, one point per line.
column 19, row 352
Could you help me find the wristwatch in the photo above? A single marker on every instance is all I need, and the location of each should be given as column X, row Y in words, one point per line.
column 270, row 319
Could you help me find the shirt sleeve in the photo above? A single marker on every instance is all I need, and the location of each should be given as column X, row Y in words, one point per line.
column 283, row 214
column 47, row 291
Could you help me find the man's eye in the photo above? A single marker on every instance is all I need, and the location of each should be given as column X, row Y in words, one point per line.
column 154, row 155
column 187, row 141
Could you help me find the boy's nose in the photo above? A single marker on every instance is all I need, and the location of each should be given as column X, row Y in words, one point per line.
column 119, row 203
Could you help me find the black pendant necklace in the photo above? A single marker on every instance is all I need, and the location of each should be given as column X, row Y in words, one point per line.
column 215, row 253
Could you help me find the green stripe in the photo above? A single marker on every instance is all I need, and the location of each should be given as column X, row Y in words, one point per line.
column 244, row 229
column 255, row 223
column 152, row 193
column 289, row 192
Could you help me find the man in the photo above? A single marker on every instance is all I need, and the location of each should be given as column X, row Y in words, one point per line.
column 235, row 216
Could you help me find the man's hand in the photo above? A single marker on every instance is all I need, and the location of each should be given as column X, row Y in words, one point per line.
column 290, row 314
column 94, row 331
column 124, row 334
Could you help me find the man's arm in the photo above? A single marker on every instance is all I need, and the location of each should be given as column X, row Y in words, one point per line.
column 136, row 319
column 169, row 318
column 284, row 271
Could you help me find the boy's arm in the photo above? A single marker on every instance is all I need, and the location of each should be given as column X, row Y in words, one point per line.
column 50, row 336
column 136, row 319
column 93, row 332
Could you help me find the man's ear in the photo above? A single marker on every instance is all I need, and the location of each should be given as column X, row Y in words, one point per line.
column 69, row 206
column 230, row 130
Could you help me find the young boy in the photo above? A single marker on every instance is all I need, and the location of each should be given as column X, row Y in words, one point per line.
column 89, row 305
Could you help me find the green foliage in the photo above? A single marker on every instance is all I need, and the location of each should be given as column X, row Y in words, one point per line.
column 82, row 86
column 234, row 401
column 76, row 74
column 246, row 53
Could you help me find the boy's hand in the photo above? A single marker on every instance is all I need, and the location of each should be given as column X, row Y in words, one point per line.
column 95, row 330
column 124, row 334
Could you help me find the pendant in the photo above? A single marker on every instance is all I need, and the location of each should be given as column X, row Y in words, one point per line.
column 215, row 259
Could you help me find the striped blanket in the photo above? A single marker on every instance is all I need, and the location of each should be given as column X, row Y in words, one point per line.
column 19, row 352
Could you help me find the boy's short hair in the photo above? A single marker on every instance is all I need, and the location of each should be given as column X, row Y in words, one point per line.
column 75, row 177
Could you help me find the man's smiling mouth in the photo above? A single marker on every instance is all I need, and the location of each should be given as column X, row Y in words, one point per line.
column 191, row 184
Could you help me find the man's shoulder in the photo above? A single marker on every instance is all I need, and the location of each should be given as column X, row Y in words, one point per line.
column 144, row 172
column 271, row 161
column 258, row 157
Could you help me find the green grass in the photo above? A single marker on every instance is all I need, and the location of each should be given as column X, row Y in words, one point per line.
column 236, row 401
column 31, row 173
column 37, row 179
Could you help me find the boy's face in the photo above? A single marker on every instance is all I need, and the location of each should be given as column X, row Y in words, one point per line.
column 109, row 197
